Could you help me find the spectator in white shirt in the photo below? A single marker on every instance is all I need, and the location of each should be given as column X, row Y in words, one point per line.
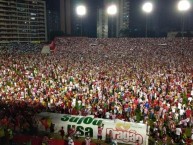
column 178, row 132
column 107, row 115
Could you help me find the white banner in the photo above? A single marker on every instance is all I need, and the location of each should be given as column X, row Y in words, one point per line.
column 123, row 132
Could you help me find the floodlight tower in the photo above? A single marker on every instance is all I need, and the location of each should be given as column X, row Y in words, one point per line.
column 81, row 11
column 112, row 11
column 147, row 8
column 183, row 6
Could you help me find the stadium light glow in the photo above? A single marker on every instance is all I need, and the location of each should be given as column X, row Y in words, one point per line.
column 81, row 10
column 147, row 7
column 112, row 9
column 183, row 5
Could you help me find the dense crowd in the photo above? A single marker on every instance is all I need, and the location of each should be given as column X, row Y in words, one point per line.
column 14, row 47
column 136, row 80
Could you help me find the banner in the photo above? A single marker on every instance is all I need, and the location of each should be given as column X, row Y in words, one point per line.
column 122, row 132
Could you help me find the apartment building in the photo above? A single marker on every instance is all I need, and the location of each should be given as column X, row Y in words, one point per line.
column 23, row 21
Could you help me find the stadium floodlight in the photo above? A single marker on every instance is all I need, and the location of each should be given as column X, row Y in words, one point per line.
column 184, row 5
column 81, row 10
column 147, row 7
column 112, row 9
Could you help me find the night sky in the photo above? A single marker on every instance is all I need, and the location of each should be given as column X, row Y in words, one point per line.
column 93, row 5
column 165, row 16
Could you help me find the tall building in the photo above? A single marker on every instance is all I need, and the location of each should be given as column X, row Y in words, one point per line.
column 102, row 24
column 65, row 16
column 124, row 12
column 117, row 22
column 53, row 17
column 53, row 22
column 22, row 21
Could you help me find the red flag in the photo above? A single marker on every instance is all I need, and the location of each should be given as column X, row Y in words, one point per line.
column 52, row 46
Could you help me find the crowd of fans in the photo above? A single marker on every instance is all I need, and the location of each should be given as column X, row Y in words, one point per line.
column 136, row 80
column 20, row 48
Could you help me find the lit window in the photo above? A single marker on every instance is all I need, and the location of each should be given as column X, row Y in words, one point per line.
column 33, row 14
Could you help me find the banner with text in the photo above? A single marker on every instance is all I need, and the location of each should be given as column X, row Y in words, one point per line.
column 123, row 132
